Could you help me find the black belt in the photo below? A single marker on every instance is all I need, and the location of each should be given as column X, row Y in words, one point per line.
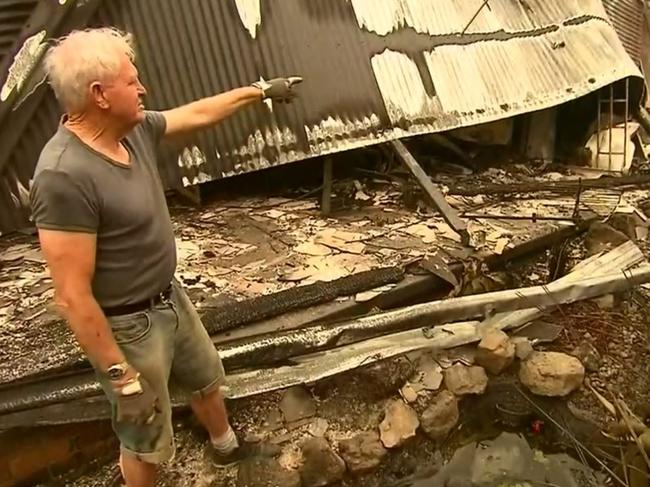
column 140, row 306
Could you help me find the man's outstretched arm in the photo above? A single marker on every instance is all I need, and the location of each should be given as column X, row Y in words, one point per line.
column 210, row 111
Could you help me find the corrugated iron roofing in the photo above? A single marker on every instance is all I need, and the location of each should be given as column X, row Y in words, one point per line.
column 627, row 18
column 446, row 17
column 374, row 70
column 515, row 57
column 13, row 15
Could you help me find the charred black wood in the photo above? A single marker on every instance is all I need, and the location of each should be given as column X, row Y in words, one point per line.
column 217, row 320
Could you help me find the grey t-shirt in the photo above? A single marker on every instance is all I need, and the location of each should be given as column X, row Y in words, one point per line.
column 77, row 189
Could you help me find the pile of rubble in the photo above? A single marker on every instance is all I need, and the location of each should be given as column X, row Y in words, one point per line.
column 447, row 353
column 435, row 411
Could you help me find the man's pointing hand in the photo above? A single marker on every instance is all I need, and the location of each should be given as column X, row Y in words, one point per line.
column 278, row 89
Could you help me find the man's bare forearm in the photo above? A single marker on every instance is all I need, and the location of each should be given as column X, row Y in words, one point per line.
column 92, row 330
column 218, row 107
column 210, row 111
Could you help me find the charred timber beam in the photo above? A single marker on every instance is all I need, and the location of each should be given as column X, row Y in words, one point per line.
column 229, row 316
column 448, row 213
column 276, row 347
column 553, row 186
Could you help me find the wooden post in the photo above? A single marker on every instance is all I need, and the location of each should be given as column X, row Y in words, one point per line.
column 326, row 199
column 448, row 213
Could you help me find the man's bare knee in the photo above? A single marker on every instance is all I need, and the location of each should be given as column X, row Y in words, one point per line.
column 137, row 473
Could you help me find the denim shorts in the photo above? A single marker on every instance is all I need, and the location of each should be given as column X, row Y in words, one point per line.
column 165, row 341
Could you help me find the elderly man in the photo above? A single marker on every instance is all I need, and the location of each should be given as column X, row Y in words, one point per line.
column 107, row 236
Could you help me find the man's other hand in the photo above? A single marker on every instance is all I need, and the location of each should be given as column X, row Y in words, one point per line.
column 136, row 401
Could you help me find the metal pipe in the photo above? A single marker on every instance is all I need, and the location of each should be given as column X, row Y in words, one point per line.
column 611, row 122
column 627, row 108
column 598, row 125
column 534, row 218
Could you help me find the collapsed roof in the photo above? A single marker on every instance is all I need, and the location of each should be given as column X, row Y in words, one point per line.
column 374, row 71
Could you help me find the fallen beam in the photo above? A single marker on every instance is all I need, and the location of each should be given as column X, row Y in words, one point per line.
column 448, row 213
column 563, row 187
column 230, row 316
column 315, row 366
column 278, row 347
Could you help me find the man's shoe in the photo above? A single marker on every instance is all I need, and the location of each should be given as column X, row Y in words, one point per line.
column 245, row 451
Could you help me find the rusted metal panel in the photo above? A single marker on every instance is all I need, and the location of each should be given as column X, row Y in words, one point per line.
column 627, row 18
column 376, row 70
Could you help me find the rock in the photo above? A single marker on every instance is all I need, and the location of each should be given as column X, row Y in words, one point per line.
column 318, row 427
column 297, row 404
column 409, row 393
column 273, row 421
column 625, row 223
column 387, row 376
column 441, row 416
column 509, row 461
column 321, row 466
column 523, row 349
column 588, row 355
column 608, row 301
column 399, row 424
column 266, row 472
column 362, row 453
column 601, row 236
column 462, row 380
column 428, row 373
column 495, row 352
column 551, row 373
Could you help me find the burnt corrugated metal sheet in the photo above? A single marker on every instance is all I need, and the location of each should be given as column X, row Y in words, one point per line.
column 374, row 70
column 20, row 166
column 13, row 16
column 29, row 112
column 627, row 18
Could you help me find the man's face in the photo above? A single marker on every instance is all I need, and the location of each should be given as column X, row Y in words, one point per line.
column 123, row 95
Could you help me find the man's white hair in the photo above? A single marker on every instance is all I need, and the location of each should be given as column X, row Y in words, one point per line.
column 83, row 57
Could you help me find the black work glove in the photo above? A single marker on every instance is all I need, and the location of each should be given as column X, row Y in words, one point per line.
column 136, row 401
column 278, row 89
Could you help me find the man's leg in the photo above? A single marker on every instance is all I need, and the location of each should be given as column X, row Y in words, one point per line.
column 198, row 368
column 211, row 413
column 137, row 473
